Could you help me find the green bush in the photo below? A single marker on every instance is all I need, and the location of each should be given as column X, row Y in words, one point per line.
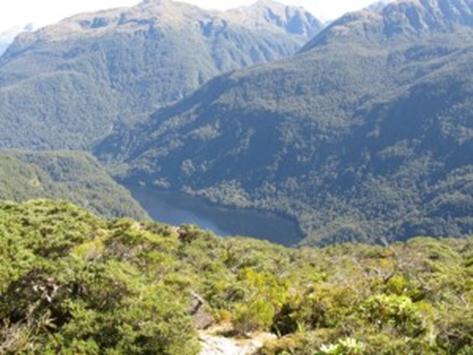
column 74, row 283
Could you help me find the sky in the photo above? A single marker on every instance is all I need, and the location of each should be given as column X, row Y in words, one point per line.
column 18, row 13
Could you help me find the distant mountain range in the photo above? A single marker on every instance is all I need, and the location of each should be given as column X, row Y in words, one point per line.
column 365, row 135
column 67, row 85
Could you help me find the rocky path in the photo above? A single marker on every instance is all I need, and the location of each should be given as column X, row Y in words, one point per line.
column 213, row 344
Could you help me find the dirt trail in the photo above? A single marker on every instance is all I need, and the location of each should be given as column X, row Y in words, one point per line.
column 219, row 345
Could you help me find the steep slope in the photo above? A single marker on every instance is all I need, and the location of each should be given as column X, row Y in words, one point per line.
column 366, row 135
column 74, row 283
column 5, row 41
column 3, row 45
column 71, row 176
column 66, row 85
column 7, row 37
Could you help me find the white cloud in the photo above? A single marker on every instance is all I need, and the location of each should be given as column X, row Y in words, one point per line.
column 14, row 13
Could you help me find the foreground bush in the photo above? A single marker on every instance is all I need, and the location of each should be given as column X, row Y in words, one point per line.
column 77, row 284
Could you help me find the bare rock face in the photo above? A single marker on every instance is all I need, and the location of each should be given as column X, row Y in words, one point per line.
column 197, row 309
column 213, row 344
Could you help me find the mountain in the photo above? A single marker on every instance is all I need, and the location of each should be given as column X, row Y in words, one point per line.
column 71, row 176
column 365, row 135
column 7, row 37
column 3, row 45
column 399, row 21
column 67, row 85
column 74, row 283
column 5, row 41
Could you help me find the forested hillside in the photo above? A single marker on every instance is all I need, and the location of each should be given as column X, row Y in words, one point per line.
column 71, row 176
column 362, row 132
column 67, row 85
column 365, row 135
column 74, row 283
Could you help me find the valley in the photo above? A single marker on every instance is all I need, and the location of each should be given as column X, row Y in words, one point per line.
column 181, row 180
column 178, row 208
column 365, row 135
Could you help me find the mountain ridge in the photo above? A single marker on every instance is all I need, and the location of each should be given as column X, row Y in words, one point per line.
column 79, row 78
column 392, row 20
column 8, row 36
column 359, row 140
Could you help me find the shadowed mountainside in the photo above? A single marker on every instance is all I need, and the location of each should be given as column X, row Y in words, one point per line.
column 70, row 176
column 365, row 135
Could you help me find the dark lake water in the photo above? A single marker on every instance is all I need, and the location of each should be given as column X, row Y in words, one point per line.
column 177, row 208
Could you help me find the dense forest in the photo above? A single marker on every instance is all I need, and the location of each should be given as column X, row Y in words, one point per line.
column 365, row 135
column 361, row 132
column 71, row 176
column 74, row 283
column 67, row 85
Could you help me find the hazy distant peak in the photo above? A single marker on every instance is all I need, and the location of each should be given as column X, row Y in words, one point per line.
column 431, row 12
column 264, row 13
column 401, row 18
column 268, row 4
column 295, row 20
column 156, row 2
column 126, row 19
column 138, row 58
column 159, row 5
column 7, row 37
column 378, row 6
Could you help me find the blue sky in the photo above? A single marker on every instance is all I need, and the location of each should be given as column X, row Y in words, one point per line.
column 14, row 13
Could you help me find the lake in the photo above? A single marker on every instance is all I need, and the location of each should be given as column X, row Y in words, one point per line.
column 177, row 208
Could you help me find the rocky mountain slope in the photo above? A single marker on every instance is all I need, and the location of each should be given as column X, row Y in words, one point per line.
column 67, row 85
column 70, row 176
column 365, row 135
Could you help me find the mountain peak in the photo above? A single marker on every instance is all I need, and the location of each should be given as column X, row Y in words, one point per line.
column 262, row 14
column 267, row 3
column 295, row 20
column 151, row 54
column 155, row 3
column 7, row 37
column 401, row 18
column 158, row 2
column 426, row 16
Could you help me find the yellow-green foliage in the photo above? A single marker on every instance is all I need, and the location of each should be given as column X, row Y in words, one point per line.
column 74, row 283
